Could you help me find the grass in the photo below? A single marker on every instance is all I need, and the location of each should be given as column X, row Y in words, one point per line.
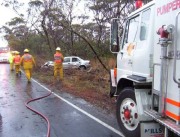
column 92, row 85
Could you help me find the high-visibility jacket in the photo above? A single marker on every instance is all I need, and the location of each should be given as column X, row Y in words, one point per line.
column 11, row 57
column 28, row 61
column 17, row 59
column 58, row 58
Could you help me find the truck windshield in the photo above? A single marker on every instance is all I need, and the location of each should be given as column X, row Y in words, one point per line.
column 4, row 49
column 144, row 24
column 131, row 30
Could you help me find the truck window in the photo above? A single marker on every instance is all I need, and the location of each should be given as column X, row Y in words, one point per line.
column 131, row 30
column 144, row 24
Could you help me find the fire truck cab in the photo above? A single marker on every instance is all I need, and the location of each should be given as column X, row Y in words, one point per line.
column 147, row 78
column 4, row 54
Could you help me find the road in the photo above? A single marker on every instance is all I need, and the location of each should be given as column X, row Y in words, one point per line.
column 69, row 116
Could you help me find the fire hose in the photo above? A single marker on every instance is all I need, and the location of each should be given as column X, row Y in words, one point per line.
column 43, row 116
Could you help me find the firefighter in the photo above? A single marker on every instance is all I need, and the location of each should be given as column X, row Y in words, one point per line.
column 11, row 58
column 16, row 62
column 27, row 61
column 58, row 67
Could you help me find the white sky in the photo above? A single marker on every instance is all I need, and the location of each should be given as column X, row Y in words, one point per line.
column 6, row 14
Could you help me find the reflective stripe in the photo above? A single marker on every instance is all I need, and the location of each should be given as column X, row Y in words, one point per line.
column 172, row 115
column 58, row 58
column 173, row 102
column 17, row 59
column 27, row 58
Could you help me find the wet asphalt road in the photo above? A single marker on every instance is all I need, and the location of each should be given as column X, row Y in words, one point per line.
column 68, row 116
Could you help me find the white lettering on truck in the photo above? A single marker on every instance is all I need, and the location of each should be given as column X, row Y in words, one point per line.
column 168, row 7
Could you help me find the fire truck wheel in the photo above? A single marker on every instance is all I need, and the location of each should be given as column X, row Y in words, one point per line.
column 126, row 112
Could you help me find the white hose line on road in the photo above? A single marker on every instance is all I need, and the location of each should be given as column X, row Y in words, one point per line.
column 84, row 112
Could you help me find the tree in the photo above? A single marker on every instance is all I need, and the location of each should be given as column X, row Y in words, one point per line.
column 48, row 24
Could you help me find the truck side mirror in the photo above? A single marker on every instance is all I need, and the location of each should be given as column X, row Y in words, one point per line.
column 114, row 36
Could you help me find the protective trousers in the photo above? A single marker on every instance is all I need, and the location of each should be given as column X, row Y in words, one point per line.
column 17, row 68
column 28, row 73
column 11, row 66
column 58, row 68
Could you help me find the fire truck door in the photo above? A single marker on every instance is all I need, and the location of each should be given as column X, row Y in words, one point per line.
column 125, row 59
column 143, row 49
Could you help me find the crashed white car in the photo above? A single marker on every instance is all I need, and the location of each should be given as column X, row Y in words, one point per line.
column 48, row 64
column 70, row 62
column 75, row 62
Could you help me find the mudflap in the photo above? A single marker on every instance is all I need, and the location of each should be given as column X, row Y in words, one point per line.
column 152, row 129
column 112, row 83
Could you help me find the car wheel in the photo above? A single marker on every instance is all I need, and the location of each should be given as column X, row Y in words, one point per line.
column 127, row 113
column 82, row 67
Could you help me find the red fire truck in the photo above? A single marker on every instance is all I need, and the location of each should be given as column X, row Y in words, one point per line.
column 4, row 54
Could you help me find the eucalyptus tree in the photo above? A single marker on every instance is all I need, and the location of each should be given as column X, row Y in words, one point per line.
column 51, row 13
column 105, row 10
column 53, row 20
column 16, row 33
column 18, row 30
column 12, row 34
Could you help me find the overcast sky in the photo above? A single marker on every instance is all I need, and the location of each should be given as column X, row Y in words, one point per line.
column 6, row 14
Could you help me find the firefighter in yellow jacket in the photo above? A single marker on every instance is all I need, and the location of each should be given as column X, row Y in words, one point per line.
column 27, row 60
column 16, row 60
column 58, row 67
column 11, row 58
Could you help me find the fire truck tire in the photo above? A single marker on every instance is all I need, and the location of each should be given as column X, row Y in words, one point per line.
column 126, row 113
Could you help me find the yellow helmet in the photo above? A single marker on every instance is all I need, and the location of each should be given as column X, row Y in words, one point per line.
column 26, row 50
column 58, row 48
column 17, row 52
column 12, row 52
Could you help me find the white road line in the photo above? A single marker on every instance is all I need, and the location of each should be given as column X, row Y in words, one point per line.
column 84, row 112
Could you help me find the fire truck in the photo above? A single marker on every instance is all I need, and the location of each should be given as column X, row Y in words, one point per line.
column 146, row 80
column 4, row 54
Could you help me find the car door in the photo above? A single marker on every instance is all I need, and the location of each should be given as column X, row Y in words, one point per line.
column 76, row 62
column 67, row 63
